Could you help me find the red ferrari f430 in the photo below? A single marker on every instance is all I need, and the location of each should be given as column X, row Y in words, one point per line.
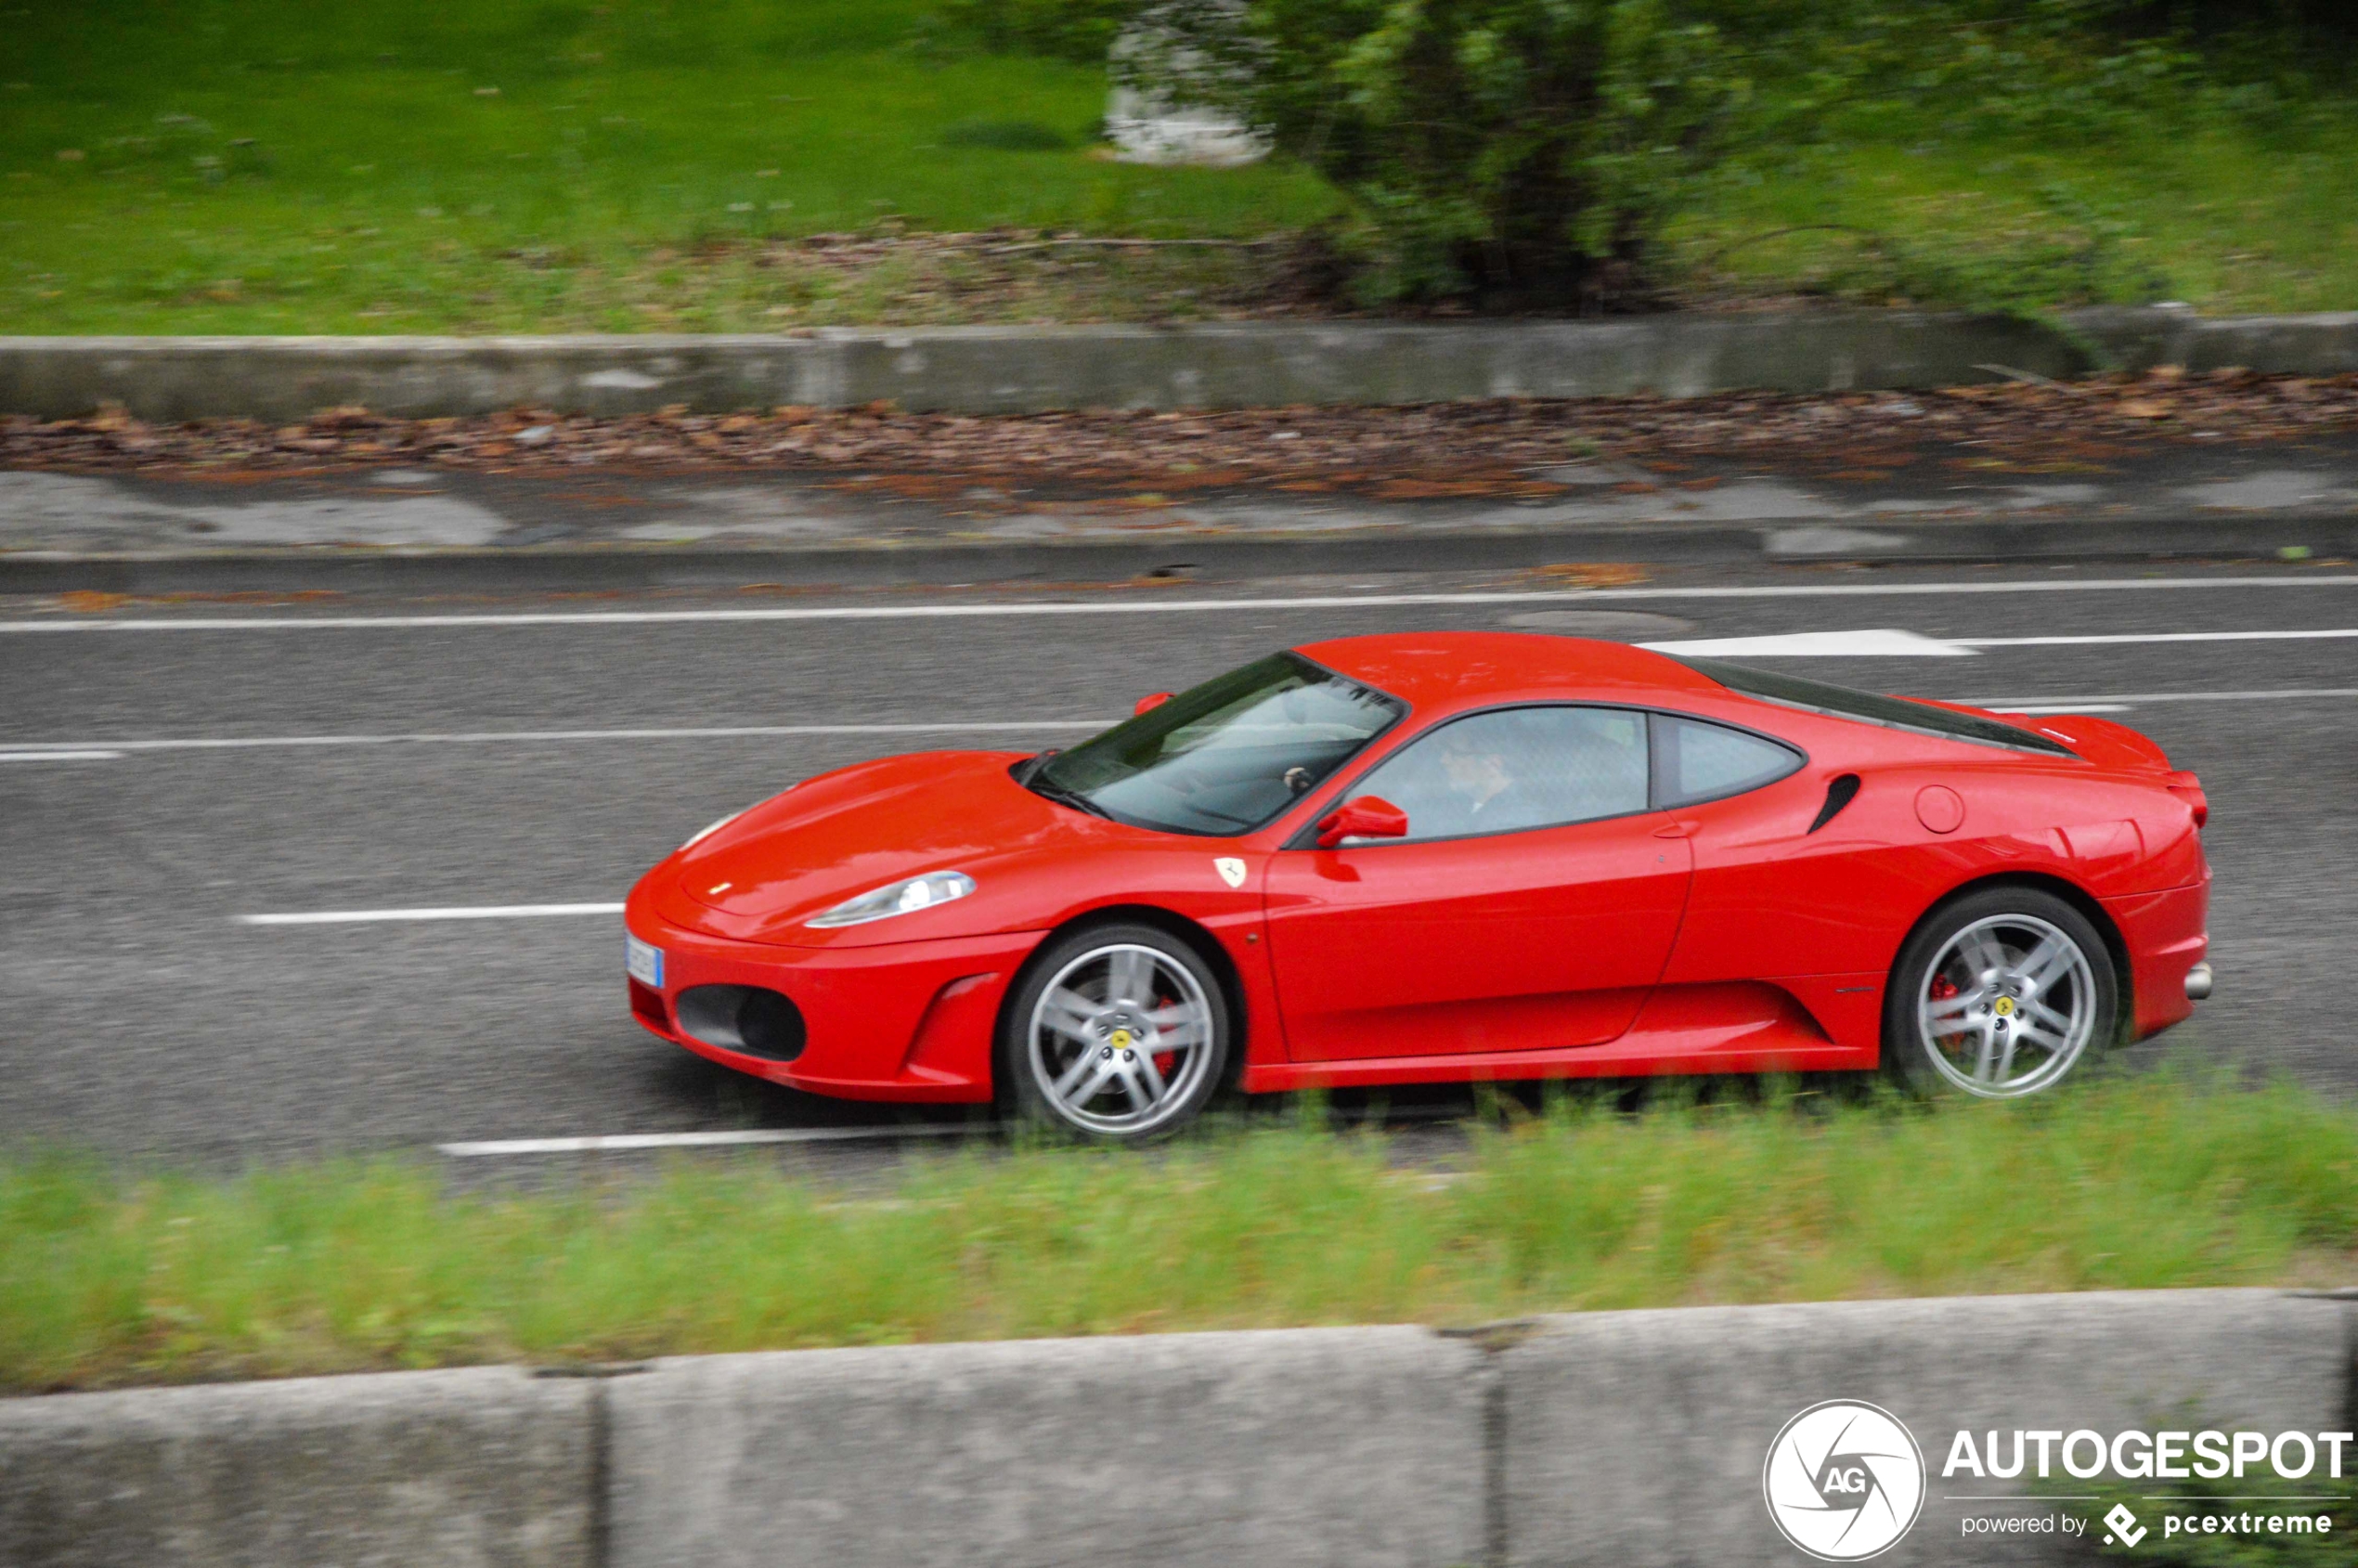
column 1450, row 856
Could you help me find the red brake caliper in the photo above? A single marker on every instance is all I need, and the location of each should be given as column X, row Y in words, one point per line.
column 1942, row 989
column 1164, row 1060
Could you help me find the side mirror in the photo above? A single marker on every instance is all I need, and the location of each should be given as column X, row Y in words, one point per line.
column 1370, row 816
column 1148, row 704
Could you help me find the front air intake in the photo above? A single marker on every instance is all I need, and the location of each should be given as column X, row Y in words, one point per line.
column 746, row 1018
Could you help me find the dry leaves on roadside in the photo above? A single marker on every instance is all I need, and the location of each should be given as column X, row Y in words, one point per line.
column 1486, row 447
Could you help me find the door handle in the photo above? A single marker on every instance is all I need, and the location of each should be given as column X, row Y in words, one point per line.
column 1678, row 830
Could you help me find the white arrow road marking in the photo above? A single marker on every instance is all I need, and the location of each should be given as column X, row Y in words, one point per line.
column 1884, row 643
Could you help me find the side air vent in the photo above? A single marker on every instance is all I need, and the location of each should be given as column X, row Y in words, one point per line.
column 743, row 1018
column 1840, row 793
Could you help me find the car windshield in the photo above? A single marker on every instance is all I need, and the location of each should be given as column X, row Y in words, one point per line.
column 1225, row 757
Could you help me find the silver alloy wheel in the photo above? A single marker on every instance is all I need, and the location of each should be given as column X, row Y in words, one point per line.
column 2007, row 1007
column 1120, row 1039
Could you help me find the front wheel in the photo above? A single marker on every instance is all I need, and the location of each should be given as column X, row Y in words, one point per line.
column 1118, row 1033
column 2000, row 995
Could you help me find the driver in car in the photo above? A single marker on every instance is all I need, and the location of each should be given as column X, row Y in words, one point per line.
column 1485, row 795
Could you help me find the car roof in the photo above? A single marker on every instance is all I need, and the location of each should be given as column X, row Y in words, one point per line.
column 1452, row 666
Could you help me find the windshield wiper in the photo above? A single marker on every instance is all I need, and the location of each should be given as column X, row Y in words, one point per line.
column 1051, row 790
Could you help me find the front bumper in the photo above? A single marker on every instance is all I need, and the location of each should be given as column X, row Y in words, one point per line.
column 896, row 1021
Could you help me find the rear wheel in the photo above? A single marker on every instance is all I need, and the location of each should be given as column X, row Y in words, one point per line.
column 1119, row 1034
column 2001, row 994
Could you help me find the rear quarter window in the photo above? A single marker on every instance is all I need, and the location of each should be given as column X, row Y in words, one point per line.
column 1698, row 761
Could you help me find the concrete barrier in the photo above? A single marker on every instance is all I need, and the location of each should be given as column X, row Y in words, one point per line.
column 2286, row 345
column 1665, row 1418
column 1613, row 1438
column 1356, row 1446
column 1023, row 370
column 487, row 1467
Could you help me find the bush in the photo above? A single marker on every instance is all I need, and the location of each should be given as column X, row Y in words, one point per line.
column 1523, row 149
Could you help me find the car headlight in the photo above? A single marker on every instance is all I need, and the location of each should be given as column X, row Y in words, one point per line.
column 898, row 897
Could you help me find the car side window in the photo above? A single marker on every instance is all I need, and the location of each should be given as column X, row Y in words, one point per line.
column 1516, row 769
column 1695, row 760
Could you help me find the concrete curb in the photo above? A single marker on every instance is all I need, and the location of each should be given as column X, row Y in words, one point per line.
column 1023, row 370
column 1607, row 1438
column 1233, row 557
column 1699, row 1395
column 1358, row 1446
column 489, row 1468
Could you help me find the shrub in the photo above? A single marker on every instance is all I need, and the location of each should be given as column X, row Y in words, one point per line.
column 1526, row 149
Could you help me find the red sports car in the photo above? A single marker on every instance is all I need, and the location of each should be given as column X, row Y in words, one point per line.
column 1447, row 856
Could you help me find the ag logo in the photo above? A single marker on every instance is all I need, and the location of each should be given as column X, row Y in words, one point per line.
column 1232, row 871
column 1844, row 1481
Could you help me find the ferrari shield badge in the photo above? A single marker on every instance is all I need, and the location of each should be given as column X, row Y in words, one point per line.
column 1232, row 871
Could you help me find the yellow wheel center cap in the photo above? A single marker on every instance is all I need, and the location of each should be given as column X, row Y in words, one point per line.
column 2003, row 1006
column 1119, row 1040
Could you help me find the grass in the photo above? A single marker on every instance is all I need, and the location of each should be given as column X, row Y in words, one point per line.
column 265, row 167
column 274, row 167
column 2216, row 212
column 110, row 1280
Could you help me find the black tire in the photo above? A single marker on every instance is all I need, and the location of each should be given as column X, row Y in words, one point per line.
column 2055, row 994
column 1137, row 1095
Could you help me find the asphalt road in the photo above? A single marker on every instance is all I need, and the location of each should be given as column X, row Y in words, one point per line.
column 140, row 1017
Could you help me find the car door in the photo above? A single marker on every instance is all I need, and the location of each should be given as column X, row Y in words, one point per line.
column 1531, row 905
column 1792, row 878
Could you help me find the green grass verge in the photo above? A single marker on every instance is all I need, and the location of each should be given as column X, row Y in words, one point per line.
column 265, row 166
column 107, row 1280
column 2215, row 211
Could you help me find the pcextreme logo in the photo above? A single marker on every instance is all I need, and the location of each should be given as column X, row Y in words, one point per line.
column 1844, row 1481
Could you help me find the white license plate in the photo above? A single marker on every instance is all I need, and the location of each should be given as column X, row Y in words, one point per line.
column 644, row 960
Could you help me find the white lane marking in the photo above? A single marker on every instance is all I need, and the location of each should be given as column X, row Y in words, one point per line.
column 2098, row 638
column 30, row 750
column 476, row 912
column 54, row 751
column 1881, row 643
column 1156, row 606
column 1890, row 643
column 2138, row 699
column 623, row 1141
column 2042, row 707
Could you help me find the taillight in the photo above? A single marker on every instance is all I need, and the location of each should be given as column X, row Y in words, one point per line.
column 2188, row 788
